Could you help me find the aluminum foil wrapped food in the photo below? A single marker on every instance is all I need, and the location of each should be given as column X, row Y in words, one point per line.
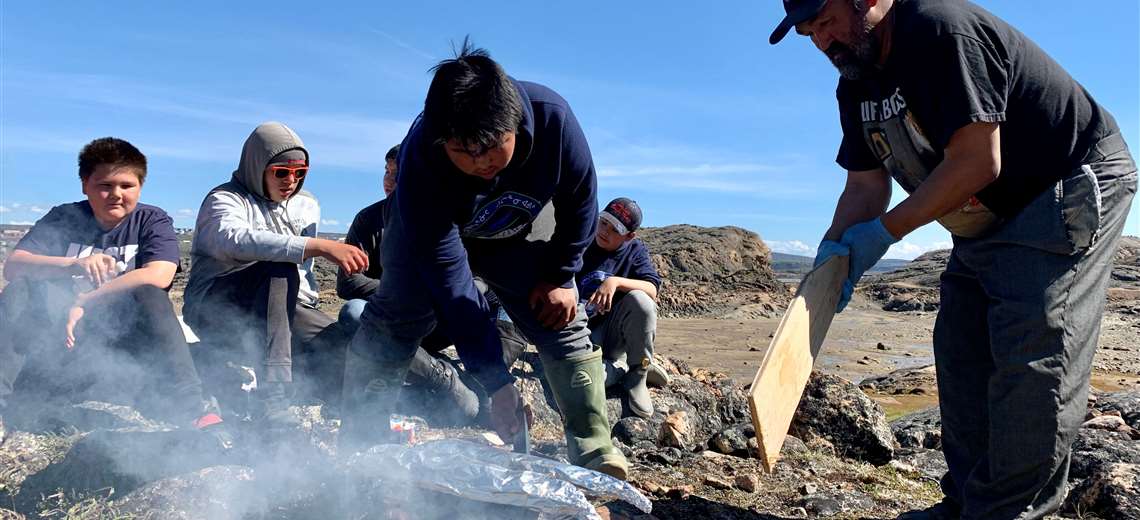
column 473, row 471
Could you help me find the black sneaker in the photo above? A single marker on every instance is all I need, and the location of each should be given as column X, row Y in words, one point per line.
column 210, row 423
column 274, row 413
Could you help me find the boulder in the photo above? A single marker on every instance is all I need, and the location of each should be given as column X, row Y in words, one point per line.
column 836, row 410
column 1112, row 491
column 1094, row 449
column 730, row 441
column 921, row 429
column 633, row 430
column 1127, row 403
column 676, row 431
column 901, row 381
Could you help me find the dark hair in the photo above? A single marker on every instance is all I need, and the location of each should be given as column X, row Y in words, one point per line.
column 471, row 99
column 113, row 151
column 391, row 155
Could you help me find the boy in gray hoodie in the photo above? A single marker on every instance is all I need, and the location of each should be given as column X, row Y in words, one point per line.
column 252, row 281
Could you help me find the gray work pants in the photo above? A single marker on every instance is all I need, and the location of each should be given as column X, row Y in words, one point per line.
column 1015, row 337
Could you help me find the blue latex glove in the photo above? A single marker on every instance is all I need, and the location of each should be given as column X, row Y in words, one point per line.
column 868, row 242
column 826, row 250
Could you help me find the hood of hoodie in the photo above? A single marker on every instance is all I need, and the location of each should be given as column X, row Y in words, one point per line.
column 266, row 141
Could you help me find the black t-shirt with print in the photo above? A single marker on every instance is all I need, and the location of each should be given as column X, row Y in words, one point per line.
column 952, row 64
column 70, row 230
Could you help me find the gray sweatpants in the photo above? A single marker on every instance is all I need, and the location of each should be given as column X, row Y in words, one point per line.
column 1015, row 337
column 627, row 332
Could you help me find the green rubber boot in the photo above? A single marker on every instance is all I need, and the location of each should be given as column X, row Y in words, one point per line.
column 578, row 389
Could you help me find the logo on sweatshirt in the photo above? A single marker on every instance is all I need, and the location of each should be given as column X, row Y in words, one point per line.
column 502, row 216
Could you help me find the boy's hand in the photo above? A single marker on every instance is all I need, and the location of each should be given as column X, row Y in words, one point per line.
column 555, row 305
column 99, row 268
column 603, row 297
column 73, row 316
column 348, row 257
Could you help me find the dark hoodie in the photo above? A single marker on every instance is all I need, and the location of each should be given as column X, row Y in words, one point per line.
column 445, row 214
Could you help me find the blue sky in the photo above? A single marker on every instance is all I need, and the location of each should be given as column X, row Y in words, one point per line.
column 689, row 111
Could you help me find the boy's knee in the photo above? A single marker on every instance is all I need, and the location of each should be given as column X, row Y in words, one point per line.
column 641, row 303
column 148, row 294
column 350, row 313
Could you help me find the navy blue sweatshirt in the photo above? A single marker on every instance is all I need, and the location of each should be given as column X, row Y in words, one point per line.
column 439, row 208
column 631, row 260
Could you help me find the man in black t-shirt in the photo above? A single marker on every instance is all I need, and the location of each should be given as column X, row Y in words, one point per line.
column 993, row 139
column 88, row 285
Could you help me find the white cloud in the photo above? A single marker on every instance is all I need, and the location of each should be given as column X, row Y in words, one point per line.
column 791, row 247
column 329, row 222
column 184, row 212
column 901, row 250
column 16, row 205
column 4, row 209
column 335, row 139
column 910, row 250
column 37, row 209
column 21, row 223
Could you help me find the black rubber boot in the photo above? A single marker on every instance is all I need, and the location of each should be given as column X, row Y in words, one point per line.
column 371, row 390
column 444, row 387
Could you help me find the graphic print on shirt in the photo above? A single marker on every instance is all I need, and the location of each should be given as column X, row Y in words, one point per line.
column 502, row 216
column 895, row 137
column 124, row 256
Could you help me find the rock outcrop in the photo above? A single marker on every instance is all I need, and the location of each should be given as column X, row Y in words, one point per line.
column 712, row 272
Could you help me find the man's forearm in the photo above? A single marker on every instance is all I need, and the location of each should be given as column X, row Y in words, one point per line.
column 972, row 161
column 865, row 197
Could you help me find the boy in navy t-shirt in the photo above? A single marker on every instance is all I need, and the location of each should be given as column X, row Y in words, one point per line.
column 87, row 284
column 618, row 285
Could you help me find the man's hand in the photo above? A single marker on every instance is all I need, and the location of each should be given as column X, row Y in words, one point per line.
column 348, row 257
column 74, row 314
column 505, row 403
column 867, row 243
column 555, row 305
column 99, row 268
column 603, row 298
column 826, row 250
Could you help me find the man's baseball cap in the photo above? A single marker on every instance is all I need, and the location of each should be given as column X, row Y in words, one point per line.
column 623, row 214
column 796, row 11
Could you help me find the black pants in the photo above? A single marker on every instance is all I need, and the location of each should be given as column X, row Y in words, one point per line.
column 125, row 343
column 254, row 315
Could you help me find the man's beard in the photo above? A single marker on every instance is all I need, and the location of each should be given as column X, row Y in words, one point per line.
column 859, row 60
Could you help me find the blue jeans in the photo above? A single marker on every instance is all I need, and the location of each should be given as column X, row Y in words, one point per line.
column 349, row 316
column 1014, row 340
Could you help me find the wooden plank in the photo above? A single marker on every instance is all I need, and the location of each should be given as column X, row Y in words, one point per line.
column 787, row 364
